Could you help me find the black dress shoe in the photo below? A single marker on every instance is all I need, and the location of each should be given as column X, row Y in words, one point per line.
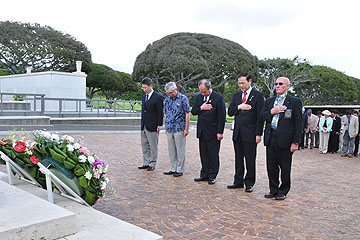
column 143, row 167
column 235, row 186
column 150, row 168
column 212, row 181
column 169, row 173
column 178, row 174
column 249, row 189
column 198, row 179
column 270, row 195
column 280, row 197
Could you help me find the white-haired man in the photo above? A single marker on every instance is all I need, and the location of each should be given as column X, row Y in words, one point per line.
column 177, row 119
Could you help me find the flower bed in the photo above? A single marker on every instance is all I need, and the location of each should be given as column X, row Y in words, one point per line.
column 68, row 159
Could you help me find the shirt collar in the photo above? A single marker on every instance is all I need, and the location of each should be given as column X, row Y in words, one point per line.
column 150, row 93
column 282, row 96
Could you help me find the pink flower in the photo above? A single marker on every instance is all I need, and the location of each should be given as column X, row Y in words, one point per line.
column 20, row 148
column 34, row 159
column 21, row 143
column 4, row 143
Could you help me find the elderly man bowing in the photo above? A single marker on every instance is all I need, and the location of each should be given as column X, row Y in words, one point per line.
column 177, row 118
column 282, row 135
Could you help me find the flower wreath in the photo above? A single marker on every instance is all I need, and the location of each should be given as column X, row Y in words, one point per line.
column 68, row 159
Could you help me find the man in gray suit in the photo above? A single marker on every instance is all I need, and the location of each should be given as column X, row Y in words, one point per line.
column 151, row 122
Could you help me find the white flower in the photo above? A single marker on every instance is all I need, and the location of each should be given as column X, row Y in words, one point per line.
column 91, row 159
column 106, row 179
column 47, row 135
column 55, row 137
column 105, row 169
column 88, row 175
column 82, row 158
column 100, row 169
column 97, row 174
column 76, row 145
column 103, row 185
column 28, row 152
column 70, row 147
column 68, row 138
column 33, row 144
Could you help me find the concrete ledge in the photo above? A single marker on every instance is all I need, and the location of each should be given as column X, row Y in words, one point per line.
column 15, row 105
column 128, row 121
column 24, row 120
column 90, row 223
column 25, row 216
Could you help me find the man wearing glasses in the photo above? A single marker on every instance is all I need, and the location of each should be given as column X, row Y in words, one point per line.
column 151, row 122
column 282, row 135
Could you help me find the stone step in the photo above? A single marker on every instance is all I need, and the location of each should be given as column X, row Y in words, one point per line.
column 25, row 120
column 26, row 216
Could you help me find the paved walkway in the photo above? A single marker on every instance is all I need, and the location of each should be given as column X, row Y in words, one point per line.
column 324, row 202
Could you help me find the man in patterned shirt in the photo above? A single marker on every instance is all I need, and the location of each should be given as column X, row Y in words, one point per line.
column 177, row 118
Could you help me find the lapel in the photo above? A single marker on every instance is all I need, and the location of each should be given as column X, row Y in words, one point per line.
column 286, row 103
column 211, row 97
column 250, row 97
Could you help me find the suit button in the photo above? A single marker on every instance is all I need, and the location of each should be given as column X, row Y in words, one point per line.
column 145, row 111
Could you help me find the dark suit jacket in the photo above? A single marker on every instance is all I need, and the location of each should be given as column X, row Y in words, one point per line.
column 210, row 122
column 336, row 125
column 248, row 123
column 305, row 121
column 289, row 128
column 152, row 112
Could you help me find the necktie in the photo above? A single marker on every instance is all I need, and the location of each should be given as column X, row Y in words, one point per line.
column 147, row 98
column 279, row 101
column 244, row 98
column 205, row 99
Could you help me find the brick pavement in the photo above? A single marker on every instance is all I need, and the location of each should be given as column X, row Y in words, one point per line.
column 324, row 202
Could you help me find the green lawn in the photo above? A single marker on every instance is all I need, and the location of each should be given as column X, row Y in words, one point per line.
column 138, row 108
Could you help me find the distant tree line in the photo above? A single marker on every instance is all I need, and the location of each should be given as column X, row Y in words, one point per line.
column 184, row 58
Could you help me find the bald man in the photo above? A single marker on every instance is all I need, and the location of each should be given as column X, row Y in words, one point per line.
column 282, row 134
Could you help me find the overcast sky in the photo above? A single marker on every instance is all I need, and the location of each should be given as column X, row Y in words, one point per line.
column 116, row 31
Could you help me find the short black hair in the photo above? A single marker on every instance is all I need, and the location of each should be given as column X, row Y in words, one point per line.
column 147, row 81
column 244, row 74
column 348, row 112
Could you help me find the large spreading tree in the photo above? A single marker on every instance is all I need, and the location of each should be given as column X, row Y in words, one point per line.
column 41, row 47
column 297, row 70
column 110, row 83
column 331, row 87
column 186, row 58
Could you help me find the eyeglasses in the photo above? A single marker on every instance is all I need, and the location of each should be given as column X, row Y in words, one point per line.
column 144, row 88
column 279, row 83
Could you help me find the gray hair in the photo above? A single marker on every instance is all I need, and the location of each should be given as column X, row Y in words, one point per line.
column 205, row 82
column 171, row 85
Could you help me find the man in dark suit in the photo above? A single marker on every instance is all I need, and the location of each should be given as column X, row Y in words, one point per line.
column 283, row 117
column 151, row 122
column 304, row 126
column 246, row 106
column 335, row 133
column 210, row 108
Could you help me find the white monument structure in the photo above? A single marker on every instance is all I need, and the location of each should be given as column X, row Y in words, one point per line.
column 52, row 84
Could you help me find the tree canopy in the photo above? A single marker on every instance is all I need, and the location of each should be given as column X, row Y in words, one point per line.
column 186, row 58
column 330, row 87
column 112, row 84
column 297, row 70
column 41, row 47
